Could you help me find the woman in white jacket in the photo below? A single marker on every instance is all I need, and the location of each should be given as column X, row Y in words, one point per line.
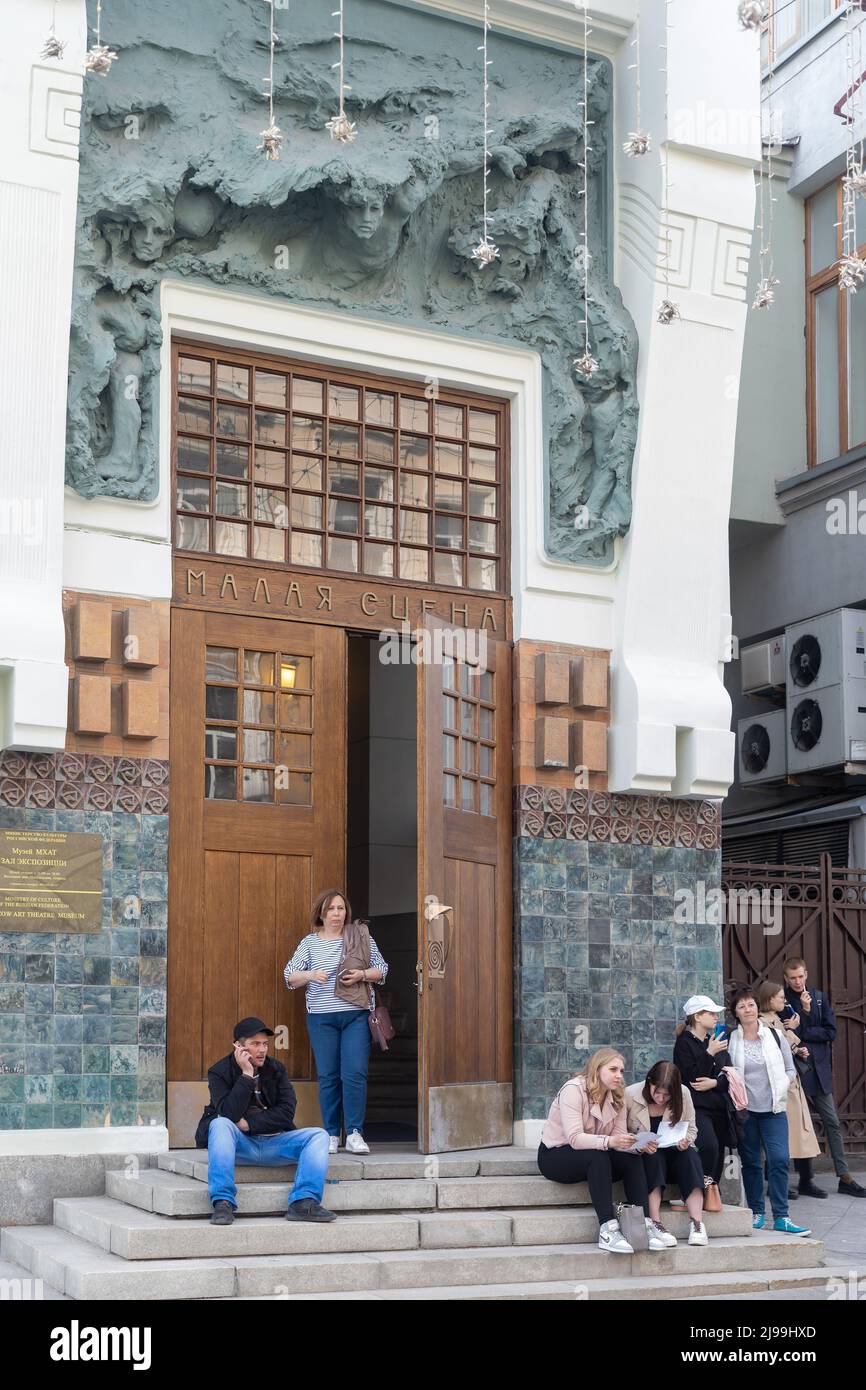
column 763, row 1058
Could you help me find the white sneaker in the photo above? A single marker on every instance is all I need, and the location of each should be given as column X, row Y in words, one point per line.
column 611, row 1238
column 698, row 1234
column 659, row 1238
column 355, row 1143
column 333, row 1143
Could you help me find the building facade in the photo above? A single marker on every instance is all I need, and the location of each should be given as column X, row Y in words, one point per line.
column 797, row 574
column 303, row 439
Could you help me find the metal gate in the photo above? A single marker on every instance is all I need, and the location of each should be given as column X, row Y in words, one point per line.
column 815, row 911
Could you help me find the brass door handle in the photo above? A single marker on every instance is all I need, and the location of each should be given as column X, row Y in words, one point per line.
column 439, row 937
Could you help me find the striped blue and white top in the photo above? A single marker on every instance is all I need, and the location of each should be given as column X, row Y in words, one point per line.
column 315, row 953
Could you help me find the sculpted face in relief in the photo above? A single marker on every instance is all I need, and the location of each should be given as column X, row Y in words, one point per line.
column 383, row 227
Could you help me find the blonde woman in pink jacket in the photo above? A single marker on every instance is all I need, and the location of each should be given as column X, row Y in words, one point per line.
column 586, row 1139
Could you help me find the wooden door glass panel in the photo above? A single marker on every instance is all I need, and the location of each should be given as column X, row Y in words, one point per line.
column 260, row 694
column 240, row 420
column 468, row 741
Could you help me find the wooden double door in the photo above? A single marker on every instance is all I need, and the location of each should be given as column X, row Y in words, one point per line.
column 258, row 828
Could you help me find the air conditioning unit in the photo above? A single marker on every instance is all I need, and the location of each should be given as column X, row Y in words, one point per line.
column 824, row 651
column 761, row 748
column 827, row 726
column 762, row 666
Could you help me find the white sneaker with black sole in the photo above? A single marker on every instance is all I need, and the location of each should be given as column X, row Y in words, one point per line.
column 611, row 1238
column 355, row 1143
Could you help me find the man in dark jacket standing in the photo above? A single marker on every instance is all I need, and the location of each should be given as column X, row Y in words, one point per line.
column 816, row 1029
column 250, row 1119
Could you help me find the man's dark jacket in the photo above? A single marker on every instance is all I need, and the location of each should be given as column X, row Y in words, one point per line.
column 231, row 1093
column 817, row 1031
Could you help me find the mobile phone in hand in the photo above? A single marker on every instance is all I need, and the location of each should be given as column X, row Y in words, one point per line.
column 719, row 1031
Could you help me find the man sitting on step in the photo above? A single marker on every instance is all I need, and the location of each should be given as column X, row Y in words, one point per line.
column 250, row 1119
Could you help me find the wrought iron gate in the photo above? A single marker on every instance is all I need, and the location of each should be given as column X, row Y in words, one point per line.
column 822, row 918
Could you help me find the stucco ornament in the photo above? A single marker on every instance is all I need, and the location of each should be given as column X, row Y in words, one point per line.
column 381, row 228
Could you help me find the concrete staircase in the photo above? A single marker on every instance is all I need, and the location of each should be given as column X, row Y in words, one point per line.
column 474, row 1225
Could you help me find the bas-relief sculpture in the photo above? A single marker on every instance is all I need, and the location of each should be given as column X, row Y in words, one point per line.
column 381, row 227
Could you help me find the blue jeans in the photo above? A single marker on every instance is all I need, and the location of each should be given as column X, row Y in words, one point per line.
column 227, row 1145
column 771, row 1131
column 341, row 1047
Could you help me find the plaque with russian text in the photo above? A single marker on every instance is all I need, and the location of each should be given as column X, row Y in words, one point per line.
column 50, row 881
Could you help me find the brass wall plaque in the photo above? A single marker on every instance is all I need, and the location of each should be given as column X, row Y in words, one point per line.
column 50, row 881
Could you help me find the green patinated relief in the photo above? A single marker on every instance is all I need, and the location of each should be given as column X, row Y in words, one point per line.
column 172, row 186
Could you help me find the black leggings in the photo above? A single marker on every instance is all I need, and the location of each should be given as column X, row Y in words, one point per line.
column 711, row 1141
column 682, row 1166
column 601, row 1168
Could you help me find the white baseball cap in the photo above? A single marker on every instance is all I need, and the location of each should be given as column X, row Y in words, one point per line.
column 700, row 1003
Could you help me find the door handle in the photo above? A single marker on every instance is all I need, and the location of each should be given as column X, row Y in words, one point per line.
column 418, row 982
column 439, row 937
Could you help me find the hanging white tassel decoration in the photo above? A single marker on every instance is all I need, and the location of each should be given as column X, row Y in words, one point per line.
column 586, row 364
column 272, row 136
column 751, row 14
column 668, row 310
column 53, row 47
column 99, row 58
column 638, row 141
column 340, row 127
column 486, row 252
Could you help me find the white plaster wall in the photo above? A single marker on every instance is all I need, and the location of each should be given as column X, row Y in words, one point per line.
column 40, row 104
column 670, row 712
column 771, row 420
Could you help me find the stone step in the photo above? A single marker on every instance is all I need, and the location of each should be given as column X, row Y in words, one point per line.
column 457, row 1191
column 75, row 1266
column 18, row 1285
column 631, row 1288
column 381, row 1164
column 141, row 1235
column 82, row 1271
column 170, row 1194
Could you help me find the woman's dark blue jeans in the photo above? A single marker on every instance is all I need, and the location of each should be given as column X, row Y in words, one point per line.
column 341, row 1047
column 771, row 1131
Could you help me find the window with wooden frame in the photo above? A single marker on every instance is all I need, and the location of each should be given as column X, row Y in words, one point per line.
column 835, row 332
column 288, row 464
column 258, row 735
column 789, row 21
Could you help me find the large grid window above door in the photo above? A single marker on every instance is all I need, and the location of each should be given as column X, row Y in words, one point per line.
column 338, row 472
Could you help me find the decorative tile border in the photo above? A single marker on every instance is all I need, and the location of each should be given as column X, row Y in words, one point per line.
column 83, row 781
column 614, row 818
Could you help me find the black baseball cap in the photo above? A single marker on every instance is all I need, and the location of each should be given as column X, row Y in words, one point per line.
column 248, row 1026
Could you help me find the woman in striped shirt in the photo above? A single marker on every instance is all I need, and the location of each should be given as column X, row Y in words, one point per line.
column 338, row 1009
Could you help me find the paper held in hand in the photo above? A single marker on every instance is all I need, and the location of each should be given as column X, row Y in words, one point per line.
column 668, row 1135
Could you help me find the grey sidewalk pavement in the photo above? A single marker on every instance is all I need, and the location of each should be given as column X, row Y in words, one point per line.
column 841, row 1223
